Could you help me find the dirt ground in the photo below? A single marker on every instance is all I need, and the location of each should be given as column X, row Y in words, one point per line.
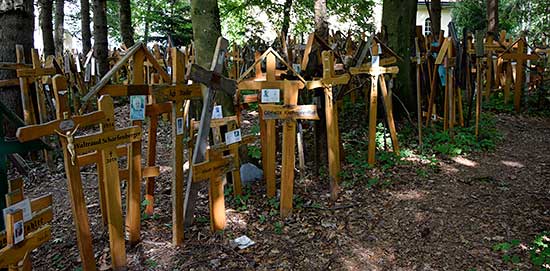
column 447, row 219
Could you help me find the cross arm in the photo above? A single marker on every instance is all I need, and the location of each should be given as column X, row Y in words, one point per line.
column 31, row 132
column 212, row 79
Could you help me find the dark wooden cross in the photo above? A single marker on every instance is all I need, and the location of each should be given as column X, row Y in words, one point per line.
column 36, row 231
column 12, row 147
column 214, row 82
column 377, row 72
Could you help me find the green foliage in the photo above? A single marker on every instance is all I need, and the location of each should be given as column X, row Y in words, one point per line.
column 278, row 227
column 464, row 140
column 150, row 263
column 241, row 19
column 254, row 152
column 539, row 251
column 515, row 16
column 162, row 18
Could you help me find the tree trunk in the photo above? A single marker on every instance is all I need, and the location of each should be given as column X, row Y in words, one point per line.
column 59, row 17
column 398, row 23
column 205, row 16
column 85, row 25
column 126, row 29
column 492, row 16
column 17, row 27
column 436, row 17
column 100, row 36
column 321, row 24
column 286, row 18
column 46, row 18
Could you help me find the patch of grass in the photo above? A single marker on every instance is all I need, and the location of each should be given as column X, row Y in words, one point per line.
column 278, row 227
column 150, row 263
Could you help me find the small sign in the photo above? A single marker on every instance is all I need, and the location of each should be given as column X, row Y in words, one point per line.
column 297, row 67
column 18, row 232
column 66, row 125
column 169, row 70
column 137, row 107
column 217, row 112
column 274, row 112
column 179, row 126
column 271, row 95
column 233, row 137
column 24, row 205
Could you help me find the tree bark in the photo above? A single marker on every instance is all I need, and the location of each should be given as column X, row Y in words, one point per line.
column 321, row 23
column 398, row 22
column 59, row 17
column 46, row 18
column 436, row 17
column 492, row 16
column 100, row 36
column 126, row 29
column 286, row 18
column 85, row 25
column 205, row 16
column 17, row 27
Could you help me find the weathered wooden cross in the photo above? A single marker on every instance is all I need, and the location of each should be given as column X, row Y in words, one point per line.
column 24, row 232
column 214, row 82
column 377, row 72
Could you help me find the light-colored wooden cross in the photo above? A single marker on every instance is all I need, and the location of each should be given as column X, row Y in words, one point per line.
column 214, row 82
column 329, row 80
column 377, row 72
column 35, row 229
column 106, row 143
column 219, row 146
column 521, row 58
column 267, row 126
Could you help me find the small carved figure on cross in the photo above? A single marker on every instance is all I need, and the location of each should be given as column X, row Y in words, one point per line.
column 69, row 135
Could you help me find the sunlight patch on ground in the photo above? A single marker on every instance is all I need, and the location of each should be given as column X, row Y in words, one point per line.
column 465, row 162
column 235, row 219
column 512, row 164
column 409, row 195
column 448, row 168
column 364, row 258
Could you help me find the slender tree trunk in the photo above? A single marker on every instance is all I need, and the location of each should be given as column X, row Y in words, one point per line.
column 126, row 29
column 85, row 25
column 46, row 26
column 59, row 17
column 436, row 17
column 147, row 24
column 398, row 22
column 286, row 18
column 321, row 24
column 492, row 16
column 17, row 27
column 100, row 36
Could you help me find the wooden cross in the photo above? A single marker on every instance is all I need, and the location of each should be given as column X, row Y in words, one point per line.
column 376, row 71
column 220, row 146
column 212, row 171
column 329, row 80
column 106, row 143
column 35, row 230
column 419, row 60
column 214, row 82
column 177, row 92
column 12, row 147
column 267, row 126
column 521, row 58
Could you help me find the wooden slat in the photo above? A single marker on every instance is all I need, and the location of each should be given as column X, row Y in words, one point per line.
column 11, row 255
column 88, row 143
column 38, row 220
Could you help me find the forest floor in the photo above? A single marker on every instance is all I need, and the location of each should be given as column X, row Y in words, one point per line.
column 446, row 214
